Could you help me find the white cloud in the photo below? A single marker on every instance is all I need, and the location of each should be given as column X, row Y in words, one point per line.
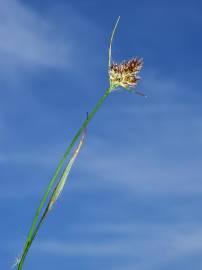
column 51, row 39
column 140, row 171
column 86, row 249
column 27, row 38
column 148, row 241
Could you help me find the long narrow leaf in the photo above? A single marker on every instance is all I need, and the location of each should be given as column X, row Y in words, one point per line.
column 55, row 194
column 58, row 189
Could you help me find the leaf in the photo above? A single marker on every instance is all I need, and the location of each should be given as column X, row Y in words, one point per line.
column 56, row 192
column 58, row 189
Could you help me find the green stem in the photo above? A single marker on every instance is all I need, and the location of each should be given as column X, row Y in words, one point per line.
column 52, row 181
column 28, row 244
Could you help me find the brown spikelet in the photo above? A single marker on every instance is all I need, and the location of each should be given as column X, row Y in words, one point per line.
column 125, row 74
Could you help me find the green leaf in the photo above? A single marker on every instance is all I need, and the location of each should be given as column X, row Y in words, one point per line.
column 55, row 194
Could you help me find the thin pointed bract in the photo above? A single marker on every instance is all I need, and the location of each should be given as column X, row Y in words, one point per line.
column 111, row 41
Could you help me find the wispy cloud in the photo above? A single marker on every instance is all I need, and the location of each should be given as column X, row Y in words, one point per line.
column 29, row 44
column 28, row 39
column 86, row 249
column 140, row 246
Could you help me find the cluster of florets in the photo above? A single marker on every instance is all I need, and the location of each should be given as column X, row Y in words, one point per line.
column 125, row 74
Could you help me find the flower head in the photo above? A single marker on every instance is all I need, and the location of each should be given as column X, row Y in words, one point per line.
column 125, row 74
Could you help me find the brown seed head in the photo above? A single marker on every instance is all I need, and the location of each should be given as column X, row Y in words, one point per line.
column 125, row 74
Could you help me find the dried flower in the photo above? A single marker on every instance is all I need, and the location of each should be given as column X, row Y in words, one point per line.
column 125, row 74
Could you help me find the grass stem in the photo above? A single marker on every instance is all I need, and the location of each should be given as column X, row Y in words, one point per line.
column 34, row 226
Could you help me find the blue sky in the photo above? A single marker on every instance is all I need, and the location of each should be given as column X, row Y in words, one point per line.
column 135, row 193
